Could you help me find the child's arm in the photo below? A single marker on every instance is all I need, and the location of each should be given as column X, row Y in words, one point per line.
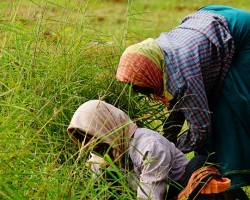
column 157, row 163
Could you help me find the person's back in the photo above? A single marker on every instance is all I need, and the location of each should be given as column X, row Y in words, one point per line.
column 215, row 104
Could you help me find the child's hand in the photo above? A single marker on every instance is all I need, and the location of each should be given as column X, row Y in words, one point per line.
column 96, row 160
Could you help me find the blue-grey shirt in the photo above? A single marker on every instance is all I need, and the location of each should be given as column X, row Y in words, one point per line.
column 198, row 54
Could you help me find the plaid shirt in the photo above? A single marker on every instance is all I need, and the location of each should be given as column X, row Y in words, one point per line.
column 197, row 54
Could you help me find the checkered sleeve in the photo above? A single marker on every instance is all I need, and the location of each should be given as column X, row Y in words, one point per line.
column 194, row 105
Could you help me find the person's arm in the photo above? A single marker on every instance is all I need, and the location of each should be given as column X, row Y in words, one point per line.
column 194, row 105
column 156, row 164
column 173, row 125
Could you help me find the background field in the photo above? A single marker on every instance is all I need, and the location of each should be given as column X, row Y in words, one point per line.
column 55, row 55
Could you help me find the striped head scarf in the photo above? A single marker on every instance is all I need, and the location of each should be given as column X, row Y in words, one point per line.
column 104, row 123
column 142, row 64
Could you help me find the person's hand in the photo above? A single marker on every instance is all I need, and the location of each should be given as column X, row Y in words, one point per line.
column 96, row 160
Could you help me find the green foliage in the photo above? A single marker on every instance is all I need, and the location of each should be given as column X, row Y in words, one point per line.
column 54, row 56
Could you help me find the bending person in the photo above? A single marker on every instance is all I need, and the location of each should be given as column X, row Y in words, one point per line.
column 201, row 69
column 103, row 128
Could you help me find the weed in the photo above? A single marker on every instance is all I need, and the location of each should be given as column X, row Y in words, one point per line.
column 54, row 56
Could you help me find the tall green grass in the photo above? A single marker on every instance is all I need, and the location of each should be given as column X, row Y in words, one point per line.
column 55, row 55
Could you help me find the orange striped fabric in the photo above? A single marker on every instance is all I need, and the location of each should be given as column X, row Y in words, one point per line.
column 140, row 70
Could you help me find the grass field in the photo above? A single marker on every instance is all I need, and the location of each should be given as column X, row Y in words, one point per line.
column 55, row 55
